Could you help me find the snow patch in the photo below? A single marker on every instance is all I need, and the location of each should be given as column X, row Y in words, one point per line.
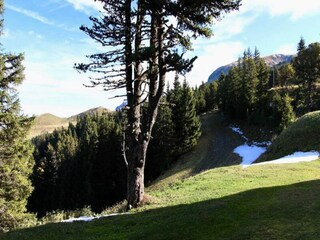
column 82, row 218
column 89, row 218
column 239, row 131
column 249, row 153
column 294, row 158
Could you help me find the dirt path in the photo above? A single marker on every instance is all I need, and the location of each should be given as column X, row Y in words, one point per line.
column 219, row 141
column 214, row 149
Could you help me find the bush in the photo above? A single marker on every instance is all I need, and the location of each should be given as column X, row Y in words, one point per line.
column 302, row 135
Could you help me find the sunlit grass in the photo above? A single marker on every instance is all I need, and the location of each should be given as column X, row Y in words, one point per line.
column 260, row 202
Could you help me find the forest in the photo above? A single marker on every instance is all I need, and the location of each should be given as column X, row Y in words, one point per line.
column 86, row 164
column 83, row 164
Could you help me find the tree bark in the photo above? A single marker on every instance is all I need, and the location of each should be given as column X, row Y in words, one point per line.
column 136, row 164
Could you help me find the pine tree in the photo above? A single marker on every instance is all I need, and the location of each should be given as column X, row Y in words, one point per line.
column 282, row 112
column 249, row 83
column 160, row 153
column 141, row 49
column 301, row 45
column 15, row 150
column 307, row 68
column 262, row 103
column 184, row 117
column 286, row 75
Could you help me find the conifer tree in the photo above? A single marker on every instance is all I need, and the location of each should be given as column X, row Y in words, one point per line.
column 161, row 150
column 211, row 96
column 184, row 117
column 143, row 45
column 282, row 111
column 250, row 81
column 262, row 103
column 15, row 150
column 301, row 45
column 286, row 75
column 307, row 67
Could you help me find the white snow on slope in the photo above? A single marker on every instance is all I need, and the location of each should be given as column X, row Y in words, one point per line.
column 294, row 158
column 249, row 153
column 239, row 131
column 88, row 219
column 82, row 218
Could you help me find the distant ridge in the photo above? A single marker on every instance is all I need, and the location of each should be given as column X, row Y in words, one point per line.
column 93, row 111
column 272, row 60
column 47, row 123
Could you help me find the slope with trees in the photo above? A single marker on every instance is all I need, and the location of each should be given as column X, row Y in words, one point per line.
column 82, row 165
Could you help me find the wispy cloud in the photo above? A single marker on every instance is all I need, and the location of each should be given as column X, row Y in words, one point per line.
column 232, row 25
column 40, row 18
column 86, row 6
column 289, row 48
column 31, row 14
column 213, row 56
column 296, row 9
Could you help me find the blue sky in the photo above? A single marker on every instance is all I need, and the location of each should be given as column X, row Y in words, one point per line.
column 47, row 32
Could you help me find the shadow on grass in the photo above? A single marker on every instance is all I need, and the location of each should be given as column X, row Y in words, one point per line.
column 285, row 212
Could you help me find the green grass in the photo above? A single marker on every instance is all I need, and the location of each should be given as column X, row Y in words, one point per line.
column 227, row 202
column 302, row 135
column 261, row 202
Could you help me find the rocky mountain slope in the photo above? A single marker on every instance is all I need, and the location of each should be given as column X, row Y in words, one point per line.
column 272, row 60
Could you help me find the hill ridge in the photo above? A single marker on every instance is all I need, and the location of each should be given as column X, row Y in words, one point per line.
column 48, row 122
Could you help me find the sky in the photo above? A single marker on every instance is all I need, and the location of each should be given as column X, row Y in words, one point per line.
column 48, row 34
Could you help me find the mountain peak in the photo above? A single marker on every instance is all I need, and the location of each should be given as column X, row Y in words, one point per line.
column 271, row 60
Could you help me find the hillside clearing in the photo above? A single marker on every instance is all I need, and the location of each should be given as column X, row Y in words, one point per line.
column 227, row 202
column 261, row 202
column 214, row 149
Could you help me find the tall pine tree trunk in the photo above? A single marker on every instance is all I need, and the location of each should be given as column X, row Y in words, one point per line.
column 139, row 136
column 136, row 164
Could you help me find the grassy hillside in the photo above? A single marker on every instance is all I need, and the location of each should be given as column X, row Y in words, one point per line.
column 46, row 123
column 93, row 111
column 303, row 135
column 227, row 202
column 262, row 202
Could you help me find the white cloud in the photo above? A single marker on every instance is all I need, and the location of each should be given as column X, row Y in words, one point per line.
column 295, row 8
column 31, row 14
column 35, row 35
column 60, row 96
column 52, row 85
column 86, row 5
column 7, row 34
column 214, row 56
column 233, row 24
column 287, row 49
